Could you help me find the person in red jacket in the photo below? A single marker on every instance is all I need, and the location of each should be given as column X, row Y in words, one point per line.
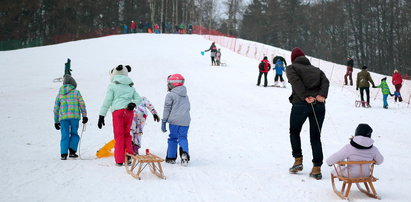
column 133, row 27
column 350, row 65
column 264, row 67
column 397, row 82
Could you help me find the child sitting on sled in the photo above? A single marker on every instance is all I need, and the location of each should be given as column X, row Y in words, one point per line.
column 218, row 57
column 139, row 120
column 360, row 148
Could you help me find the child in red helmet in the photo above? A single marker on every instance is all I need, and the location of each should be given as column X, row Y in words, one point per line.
column 177, row 114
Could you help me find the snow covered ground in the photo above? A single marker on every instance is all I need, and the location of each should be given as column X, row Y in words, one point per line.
column 239, row 140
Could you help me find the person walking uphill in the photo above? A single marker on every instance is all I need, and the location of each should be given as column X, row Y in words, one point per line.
column 68, row 109
column 122, row 98
column 263, row 67
column 385, row 91
column 397, row 82
column 213, row 52
column 350, row 65
column 309, row 91
column 177, row 113
column 363, row 83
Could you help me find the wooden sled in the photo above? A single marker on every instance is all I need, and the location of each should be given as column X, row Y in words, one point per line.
column 347, row 181
column 141, row 161
column 359, row 103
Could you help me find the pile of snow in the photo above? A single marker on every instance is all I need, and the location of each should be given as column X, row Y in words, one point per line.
column 238, row 139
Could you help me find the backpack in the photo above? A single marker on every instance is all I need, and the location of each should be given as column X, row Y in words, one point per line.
column 261, row 66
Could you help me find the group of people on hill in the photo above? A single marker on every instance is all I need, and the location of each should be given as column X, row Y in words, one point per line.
column 147, row 27
column 364, row 80
column 129, row 113
column 309, row 92
column 279, row 67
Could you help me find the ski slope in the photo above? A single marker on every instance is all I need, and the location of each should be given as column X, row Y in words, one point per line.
column 238, row 138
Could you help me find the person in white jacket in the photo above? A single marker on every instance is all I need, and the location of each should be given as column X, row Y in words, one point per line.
column 360, row 148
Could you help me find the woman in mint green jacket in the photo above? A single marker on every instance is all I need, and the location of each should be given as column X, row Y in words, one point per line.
column 122, row 98
column 385, row 91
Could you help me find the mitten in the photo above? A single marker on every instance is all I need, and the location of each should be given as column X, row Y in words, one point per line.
column 131, row 106
column 100, row 122
column 356, row 88
column 374, row 86
column 163, row 126
column 391, row 94
column 85, row 119
column 156, row 118
column 57, row 126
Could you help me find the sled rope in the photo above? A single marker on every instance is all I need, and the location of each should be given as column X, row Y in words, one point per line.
column 315, row 116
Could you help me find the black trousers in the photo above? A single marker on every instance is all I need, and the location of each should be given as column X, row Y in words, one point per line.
column 299, row 113
column 213, row 60
column 265, row 78
column 367, row 91
column 279, row 76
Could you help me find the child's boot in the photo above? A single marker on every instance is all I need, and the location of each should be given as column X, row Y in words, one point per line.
column 170, row 160
column 72, row 154
column 64, row 157
column 297, row 166
column 316, row 173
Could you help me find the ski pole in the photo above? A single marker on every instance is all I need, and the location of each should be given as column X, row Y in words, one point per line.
column 81, row 137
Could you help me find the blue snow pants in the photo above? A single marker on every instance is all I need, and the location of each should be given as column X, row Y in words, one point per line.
column 69, row 135
column 384, row 98
column 177, row 136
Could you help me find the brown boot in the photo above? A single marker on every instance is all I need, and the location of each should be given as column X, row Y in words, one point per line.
column 297, row 166
column 316, row 173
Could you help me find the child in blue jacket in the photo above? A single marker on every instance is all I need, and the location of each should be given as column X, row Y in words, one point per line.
column 279, row 69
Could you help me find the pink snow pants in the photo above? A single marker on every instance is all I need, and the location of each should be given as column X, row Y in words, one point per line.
column 122, row 120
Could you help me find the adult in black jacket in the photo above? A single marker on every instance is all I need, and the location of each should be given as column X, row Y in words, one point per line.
column 279, row 58
column 309, row 91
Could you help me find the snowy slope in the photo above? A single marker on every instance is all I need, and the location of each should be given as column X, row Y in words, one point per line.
column 239, row 142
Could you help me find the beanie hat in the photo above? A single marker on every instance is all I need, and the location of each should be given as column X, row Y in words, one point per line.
column 364, row 67
column 265, row 58
column 395, row 71
column 69, row 80
column 295, row 53
column 363, row 130
column 383, row 79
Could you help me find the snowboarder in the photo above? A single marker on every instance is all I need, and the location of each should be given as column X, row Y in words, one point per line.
column 385, row 91
column 263, row 67
column 69, row 107
column 279, row 69
column 213, row 49
column 276, row 58
column 218, row 57
column 363, row 84
column 177, row 114
column 397, row 82
column 122, row 98
column 360, row 148
column 350, row 65
column 139, row 120
column 309, row 91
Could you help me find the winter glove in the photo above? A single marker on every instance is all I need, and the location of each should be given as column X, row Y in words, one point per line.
column 156, row 118
column 100, row 122
column 163, row 126
column 131, row 106
column 85, row 119
column 356, row 88
column 374, row 86
column 57, row 126
column 391, row 94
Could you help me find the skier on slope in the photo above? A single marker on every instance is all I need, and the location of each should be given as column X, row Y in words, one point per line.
column 264, row 67
column 279, row 69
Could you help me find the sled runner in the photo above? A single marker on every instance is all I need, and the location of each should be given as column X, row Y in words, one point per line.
column 359, row 103
column 141, row 161
column 347, row 180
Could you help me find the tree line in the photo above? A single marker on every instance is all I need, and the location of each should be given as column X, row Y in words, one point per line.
column 376, row 33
